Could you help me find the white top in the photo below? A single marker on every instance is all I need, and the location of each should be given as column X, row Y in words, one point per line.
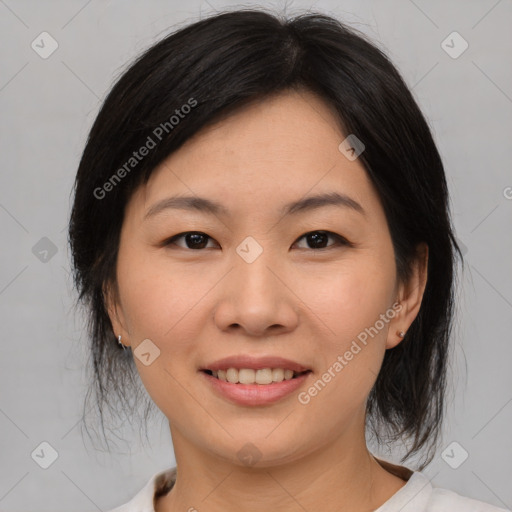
column 417, row 495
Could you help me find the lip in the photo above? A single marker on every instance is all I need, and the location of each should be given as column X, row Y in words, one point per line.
column 254, row 394
column 255, row 363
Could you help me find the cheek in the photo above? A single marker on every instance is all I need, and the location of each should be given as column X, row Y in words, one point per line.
column 350, row 303
column 159, row 303
column 350, row 354
column 162, row 306
column 347, row 297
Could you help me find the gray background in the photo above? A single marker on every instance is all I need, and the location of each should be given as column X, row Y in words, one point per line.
column 47, row 107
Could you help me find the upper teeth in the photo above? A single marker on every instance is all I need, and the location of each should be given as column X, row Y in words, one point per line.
column 250, row 376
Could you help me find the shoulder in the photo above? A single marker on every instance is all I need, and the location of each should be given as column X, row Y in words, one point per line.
column 144, row 500
column 445, row 500
column 419, row 495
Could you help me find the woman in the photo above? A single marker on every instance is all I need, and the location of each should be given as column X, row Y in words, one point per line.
column 261, row 215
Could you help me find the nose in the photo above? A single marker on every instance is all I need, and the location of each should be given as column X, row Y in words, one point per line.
column 256, row 299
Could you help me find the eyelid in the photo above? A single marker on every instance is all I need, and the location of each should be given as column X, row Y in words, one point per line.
column 340, row 240
column 171, row 240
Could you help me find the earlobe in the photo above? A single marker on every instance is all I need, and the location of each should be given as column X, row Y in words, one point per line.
column 111, row 306
column 396, row 335
column 411, row 294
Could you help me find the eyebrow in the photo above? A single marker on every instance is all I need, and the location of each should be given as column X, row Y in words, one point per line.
column 201, row 204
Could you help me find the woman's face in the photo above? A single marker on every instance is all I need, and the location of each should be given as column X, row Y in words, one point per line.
column 260, row 281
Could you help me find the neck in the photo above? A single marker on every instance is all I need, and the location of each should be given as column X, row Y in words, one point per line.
column 342, row 476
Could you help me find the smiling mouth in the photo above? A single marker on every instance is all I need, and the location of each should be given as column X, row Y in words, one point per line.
column 249, row 376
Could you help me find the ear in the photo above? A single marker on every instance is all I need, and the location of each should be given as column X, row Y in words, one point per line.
column 410, row 295
column 114, row 310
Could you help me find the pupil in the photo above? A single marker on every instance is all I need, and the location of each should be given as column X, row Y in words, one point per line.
column 195, row 240
column 317, row 239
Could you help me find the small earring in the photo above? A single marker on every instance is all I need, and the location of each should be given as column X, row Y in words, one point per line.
column 401, row 334
column 119, row 341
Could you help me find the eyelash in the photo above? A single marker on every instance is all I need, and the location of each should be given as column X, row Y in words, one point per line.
column 340, row 241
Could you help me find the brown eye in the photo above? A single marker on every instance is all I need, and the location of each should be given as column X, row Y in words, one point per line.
column 193, row 240
column 319, row 239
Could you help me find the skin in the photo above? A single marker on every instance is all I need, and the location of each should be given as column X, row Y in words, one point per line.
column 296, row 301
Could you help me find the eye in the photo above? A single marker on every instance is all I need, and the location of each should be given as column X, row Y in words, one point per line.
column 197, row 240
column 193, row 240
column 318, row 239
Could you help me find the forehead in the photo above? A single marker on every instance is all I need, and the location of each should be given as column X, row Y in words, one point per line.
column 274, row 150
column 283, row 124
